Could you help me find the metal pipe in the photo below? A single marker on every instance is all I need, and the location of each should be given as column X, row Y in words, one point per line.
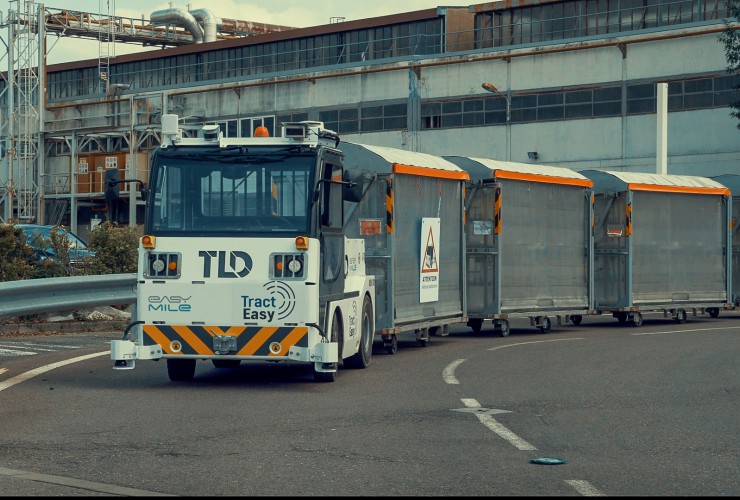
column 179, row 17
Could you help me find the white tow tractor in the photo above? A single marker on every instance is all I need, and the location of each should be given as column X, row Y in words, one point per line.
column 245, row 256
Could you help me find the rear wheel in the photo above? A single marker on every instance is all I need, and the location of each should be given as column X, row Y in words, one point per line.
column 713, row 312
column 576, row 319
column 181, row 370
column 361, row 359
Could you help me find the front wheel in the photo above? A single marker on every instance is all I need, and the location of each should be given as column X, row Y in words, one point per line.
column 361, row 359
column 181, row 370
column 713, row 312
column 576, row 319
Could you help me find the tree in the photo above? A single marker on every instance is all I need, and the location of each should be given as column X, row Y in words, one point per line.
column 730, row 37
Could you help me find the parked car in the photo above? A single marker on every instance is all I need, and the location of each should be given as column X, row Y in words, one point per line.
column 39, row 238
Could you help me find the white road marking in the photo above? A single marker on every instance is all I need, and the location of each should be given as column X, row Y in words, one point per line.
column 490, row 422
column 683, row 331
column 57, row 346
column 14, row 352
column 109, row 489
column 17, row 346
column 533, row 342
column 43, row 369
column 448, row 374
column 584, row 488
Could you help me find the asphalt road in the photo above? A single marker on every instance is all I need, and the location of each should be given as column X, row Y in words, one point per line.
column 628, row 411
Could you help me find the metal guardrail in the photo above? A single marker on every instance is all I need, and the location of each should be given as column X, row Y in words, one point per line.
column 63, row 294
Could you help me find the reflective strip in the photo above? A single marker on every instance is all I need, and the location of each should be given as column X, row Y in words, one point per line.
column 678, row 189
column 548, row 179
column 497, row 211
column 250, row 341
column 459, row 175
column 389, row 206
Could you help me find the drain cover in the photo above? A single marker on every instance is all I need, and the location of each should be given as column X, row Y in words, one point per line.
column 547, row 460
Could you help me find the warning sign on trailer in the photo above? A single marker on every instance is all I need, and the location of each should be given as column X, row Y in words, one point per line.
column 429, row 275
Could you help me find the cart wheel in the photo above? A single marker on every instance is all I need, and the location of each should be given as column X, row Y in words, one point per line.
column 505, row 328
column 681, row 315
column 546, row 325
column 637, row 319
column 423, row 337
column 576, row 319
column 475, row 324
column 713, row 311
column 621, row 317
column 391, row 346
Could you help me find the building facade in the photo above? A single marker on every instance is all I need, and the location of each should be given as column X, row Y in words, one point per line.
column 567, row 83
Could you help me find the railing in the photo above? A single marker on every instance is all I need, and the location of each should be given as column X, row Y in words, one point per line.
column 19, row 298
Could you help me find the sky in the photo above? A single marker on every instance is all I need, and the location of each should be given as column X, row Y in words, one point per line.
column 296, row 13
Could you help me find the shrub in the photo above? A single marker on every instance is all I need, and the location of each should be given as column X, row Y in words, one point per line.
column 115, row 247
column 17, row 259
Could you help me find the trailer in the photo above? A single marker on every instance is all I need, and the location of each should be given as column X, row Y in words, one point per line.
column 411, row 220
column 528, row 244
column 732, row 182
column 661, row 243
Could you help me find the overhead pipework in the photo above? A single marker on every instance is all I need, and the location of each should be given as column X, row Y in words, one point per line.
column 179, row 17
column 208, row 22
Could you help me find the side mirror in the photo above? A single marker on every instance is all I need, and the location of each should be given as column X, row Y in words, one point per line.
column 354, row 181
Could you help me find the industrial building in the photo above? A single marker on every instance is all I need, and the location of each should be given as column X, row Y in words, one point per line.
column 568, row 83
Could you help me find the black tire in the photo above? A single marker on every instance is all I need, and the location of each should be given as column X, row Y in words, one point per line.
column 713, row 312
column 361, row 359
column 681, row 315
column 621, row 317
column 475, row 325
column 181, row 370
column 637, row 319
column 546, row 325
column 226, row 363
column 336, row 332
column 505, row 328
column 392, row 346
column 576, row 319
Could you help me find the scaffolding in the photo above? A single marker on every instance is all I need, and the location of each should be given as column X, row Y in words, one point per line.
column 21, row 127
column 23, row 100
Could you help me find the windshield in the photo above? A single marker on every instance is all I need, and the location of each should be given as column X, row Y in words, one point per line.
column 217, row 192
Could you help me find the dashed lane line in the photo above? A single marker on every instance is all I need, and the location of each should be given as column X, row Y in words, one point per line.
column 584, row 488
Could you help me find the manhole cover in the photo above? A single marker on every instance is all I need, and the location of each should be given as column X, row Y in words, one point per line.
column 547, row 460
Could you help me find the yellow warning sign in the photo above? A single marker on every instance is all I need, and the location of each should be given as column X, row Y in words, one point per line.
column 429, row 257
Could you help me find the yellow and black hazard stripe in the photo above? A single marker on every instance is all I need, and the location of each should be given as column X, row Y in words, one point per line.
column 497, row 211
column 628, row 220
column 389, row 206
column 250, row 340
column 274, row 198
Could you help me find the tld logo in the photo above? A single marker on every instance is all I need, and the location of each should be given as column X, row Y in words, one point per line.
column 239, row 263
